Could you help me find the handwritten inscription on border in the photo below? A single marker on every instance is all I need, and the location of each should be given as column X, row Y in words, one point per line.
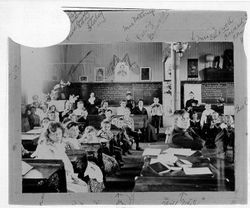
column 81, row 19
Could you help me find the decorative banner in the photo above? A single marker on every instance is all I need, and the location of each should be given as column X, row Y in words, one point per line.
column 122, row 70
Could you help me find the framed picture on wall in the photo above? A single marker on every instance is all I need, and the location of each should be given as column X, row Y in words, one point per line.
column 192, row 67
column 99, row 74
column 83, row 78
column 145, row 73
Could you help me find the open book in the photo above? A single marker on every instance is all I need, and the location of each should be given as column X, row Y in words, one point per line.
column 159, row 168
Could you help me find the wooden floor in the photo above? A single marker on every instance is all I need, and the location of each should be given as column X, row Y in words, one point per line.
column 124, row 181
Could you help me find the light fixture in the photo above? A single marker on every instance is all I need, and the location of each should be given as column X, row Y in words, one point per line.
column 180, row 48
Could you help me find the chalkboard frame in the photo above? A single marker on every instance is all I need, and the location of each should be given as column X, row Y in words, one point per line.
column 196, row 82
column 68, row 91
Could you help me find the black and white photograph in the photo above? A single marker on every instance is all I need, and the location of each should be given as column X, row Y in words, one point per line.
column 152, row 120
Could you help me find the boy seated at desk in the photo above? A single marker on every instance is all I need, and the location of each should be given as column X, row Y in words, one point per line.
column 182, row 134
column 71, row 141
column 114, row 142
column 81, row 112
column 149, row 131
column 90, row 137
column 127, row 124
column 219, row 132
column 51, row 147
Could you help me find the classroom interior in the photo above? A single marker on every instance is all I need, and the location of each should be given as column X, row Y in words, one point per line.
column 195, row 77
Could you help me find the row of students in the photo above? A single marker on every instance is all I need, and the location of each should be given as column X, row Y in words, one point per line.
column 217, row 132
column 56, row 139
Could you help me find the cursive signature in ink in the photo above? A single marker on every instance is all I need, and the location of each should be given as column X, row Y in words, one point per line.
column 137, row 18
column 231, row 28
column 151, row 29
column 88, row 19
column 123, row 199
column 182, row 199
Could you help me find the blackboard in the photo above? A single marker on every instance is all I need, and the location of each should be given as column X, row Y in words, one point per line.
column 211, row 92
column 208, row 92
column 114, row 92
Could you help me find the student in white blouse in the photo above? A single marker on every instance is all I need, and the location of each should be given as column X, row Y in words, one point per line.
column 122, row 109
column 51, row 147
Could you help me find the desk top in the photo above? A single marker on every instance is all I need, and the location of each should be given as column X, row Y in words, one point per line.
column 222, row 177
column 30, row 137
column 35, row 131
column 42, row 169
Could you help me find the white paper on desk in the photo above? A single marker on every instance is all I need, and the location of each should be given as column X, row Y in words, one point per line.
column 197, row 171
column 151, row 152
column 179, row 151
column 25, row 168
column 165, row 159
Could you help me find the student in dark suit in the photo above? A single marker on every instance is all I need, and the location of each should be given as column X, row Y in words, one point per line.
column 139, row 109
column 148, row 133
column 130, row 103
column 183, row 135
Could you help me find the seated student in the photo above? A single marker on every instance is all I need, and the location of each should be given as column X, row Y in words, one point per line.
column 211, row 129
column 195, row 123
column 24, row 119
column 90, row 136
column 127, row 123
column 229, row 129
column 139, row 109
column 52, row 116
column 68, row 109
column 121, row 110
column 182, row 134
column 156, row 112
column 81, row 111
column 45, row 122
column 114, row 142
column 130, row 103
column 34, row 119
column 71, row 141
column 103, row 108
column 52, row 108
column 108, row 115
column 148, row 132
column 35, row 101
column 51, row 147
column 71, row 135
column 206, row 115
column 218, row 133
column 42, row 111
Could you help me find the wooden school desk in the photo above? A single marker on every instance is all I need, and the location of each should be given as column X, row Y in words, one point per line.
column 222, row 178
column 29, row 141
column 45, row 176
